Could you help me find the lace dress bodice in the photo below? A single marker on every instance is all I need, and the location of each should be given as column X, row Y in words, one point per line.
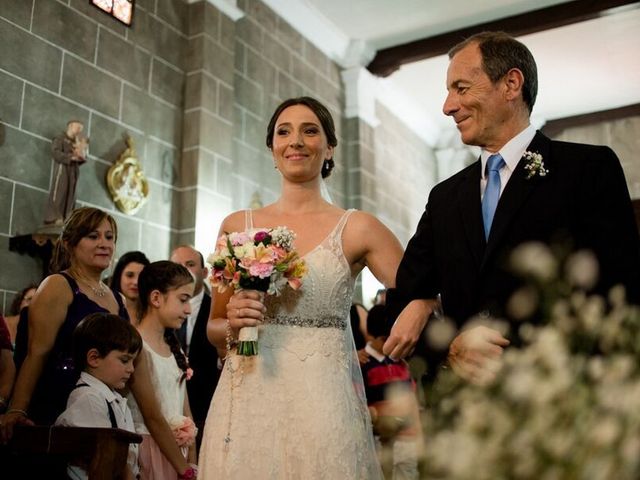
column 322, row 303
column 292, row 411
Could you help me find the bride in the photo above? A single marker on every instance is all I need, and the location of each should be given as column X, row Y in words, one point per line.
column 297, row 409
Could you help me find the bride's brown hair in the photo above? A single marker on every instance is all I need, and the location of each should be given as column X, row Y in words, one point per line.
column 326, row 121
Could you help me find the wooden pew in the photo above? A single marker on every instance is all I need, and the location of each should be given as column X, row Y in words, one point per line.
column 104, row 450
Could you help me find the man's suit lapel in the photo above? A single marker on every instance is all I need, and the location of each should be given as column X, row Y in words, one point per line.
column 471, row 212
column 515, row 194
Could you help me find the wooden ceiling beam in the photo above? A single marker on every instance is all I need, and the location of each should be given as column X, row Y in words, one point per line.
column 388, row 60
column 555, row 127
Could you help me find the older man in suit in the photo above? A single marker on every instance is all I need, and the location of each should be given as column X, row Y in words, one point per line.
column 525, row 187
column 203, row 357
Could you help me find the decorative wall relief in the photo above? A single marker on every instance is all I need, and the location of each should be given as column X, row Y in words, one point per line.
column 126, row 181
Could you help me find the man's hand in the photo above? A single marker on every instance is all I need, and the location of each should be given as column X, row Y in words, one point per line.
column 363, row 356
column 407, row 329
column 475, row 354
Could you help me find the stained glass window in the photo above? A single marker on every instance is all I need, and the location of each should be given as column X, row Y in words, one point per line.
column 120, row 9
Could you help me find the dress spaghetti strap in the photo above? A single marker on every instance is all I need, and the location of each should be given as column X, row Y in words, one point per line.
column 334, row 239
column 342, row 222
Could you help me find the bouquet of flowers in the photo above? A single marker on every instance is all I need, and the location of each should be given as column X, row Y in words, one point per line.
column 183, row 429
column 260, row 259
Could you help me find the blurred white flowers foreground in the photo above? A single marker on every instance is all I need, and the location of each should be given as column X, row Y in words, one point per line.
column 564, row 406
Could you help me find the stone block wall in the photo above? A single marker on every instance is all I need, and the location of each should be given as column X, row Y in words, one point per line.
column 204, row 193
column 390, row 171
column 195, row 90
column 236, row 74
column 63, row 60
column 274, row 62
column 405, row 170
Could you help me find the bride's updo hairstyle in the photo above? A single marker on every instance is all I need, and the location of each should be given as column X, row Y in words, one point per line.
column 326, row 121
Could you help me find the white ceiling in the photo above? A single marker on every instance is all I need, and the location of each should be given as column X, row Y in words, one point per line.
column 386, row 23
column 583, row 68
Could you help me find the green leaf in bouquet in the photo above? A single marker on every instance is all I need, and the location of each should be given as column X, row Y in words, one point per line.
column 230, row 247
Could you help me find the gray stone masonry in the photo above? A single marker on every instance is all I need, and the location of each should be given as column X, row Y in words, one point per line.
column 68, row 60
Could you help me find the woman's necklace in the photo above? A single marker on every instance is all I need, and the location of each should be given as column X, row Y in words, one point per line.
column 99, row 291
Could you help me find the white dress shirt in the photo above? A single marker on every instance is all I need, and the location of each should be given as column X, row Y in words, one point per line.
column 511, row 153
column 196, row 303
column 87, row 407
column 374, row 353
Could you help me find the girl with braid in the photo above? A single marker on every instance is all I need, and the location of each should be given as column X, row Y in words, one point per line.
column 164, row 292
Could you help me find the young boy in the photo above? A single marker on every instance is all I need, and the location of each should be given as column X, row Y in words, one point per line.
column 104, row 347
column 392, row 402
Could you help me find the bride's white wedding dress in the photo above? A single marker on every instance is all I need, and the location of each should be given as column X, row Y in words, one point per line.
column 295, row 411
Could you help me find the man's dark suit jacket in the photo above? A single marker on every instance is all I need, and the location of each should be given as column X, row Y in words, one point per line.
column 582, row 202
column 203, row 359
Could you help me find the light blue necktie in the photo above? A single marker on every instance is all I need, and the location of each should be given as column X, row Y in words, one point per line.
column 492, row 192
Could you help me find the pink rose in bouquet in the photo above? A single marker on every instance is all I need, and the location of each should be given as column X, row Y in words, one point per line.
column 260, row 259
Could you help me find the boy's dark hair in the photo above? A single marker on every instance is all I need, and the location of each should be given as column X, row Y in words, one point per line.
column 105, row 332
column 378, row 324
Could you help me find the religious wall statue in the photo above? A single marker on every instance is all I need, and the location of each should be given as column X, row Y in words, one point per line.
column 127, row 184
column 69, row 150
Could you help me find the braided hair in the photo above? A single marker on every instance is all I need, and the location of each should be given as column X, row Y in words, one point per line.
column 164, row 276
column 174, row 344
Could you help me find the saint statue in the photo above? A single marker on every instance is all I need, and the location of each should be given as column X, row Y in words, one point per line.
column 69, row 150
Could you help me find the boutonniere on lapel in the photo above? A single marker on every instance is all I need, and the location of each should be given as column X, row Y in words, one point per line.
column 534, row 165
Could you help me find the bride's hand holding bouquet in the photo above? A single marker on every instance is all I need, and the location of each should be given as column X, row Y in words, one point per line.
column 245, row 311
column 255, row 262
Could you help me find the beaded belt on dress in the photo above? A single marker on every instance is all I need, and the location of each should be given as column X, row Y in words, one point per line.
column 326, row 321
